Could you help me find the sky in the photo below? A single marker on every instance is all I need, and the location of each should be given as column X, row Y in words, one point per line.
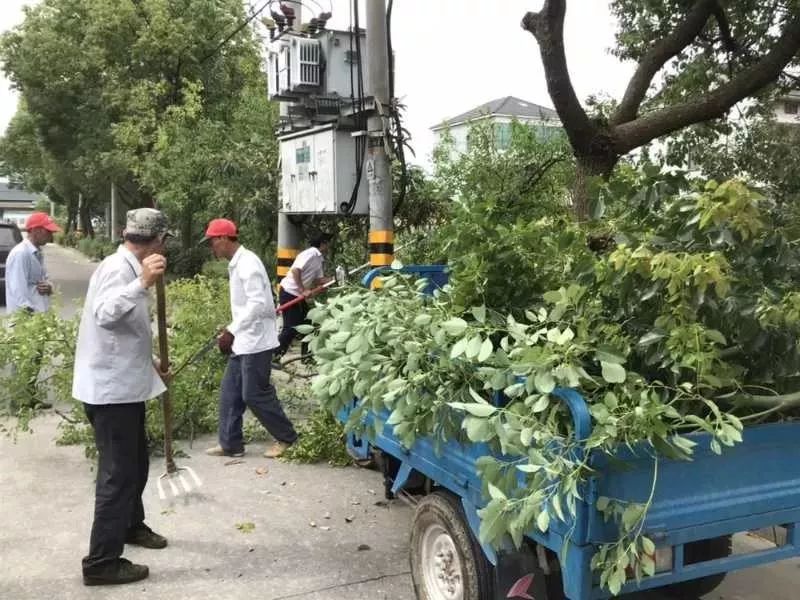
column 454, row 55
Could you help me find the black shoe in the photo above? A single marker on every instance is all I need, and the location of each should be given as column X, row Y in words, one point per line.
column 120, row 571
column 145, row 537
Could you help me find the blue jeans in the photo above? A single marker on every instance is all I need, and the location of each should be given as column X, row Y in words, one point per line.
column 246, row 384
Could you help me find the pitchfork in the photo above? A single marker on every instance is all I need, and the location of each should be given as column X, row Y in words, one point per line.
column 173, row 472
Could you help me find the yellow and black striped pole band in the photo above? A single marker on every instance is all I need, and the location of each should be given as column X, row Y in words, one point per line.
column 286, row 257
column 381, row 248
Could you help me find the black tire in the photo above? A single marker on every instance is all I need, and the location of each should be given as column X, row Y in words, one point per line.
column 439, row 523
column 697, row 552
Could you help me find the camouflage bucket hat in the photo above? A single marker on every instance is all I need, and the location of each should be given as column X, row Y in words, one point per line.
column 147, row 222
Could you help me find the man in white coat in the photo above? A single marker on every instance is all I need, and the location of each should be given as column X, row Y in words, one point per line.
column 114, row 376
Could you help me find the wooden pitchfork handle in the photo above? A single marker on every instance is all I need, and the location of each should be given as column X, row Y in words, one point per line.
column 163, row 350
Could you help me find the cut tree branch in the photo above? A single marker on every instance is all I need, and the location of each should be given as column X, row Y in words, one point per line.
column 547, row 26
column 716, row 103
column 657, row 56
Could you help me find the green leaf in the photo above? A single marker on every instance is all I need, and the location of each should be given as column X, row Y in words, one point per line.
column 474, row 346
column 478, row 429
column 455, row 326
column 650, row 338
column 304, row 329
column 609, row 355
column 565, row 337
column 458, row 348
column 648, row 545
column 479, row 312
column 544, row 382
column 486, row 350
column 603, row 503
column 543, row 521
column 515, row 390
column 529, row 468
column 496, row 493
column 612, row 372
column 541, row 404
column 553, row 296
column 478, row 410
column 422, row 320
column 340, row 337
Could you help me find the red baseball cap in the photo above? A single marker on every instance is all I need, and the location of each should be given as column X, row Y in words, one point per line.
column 43, row 220
column 220, row 228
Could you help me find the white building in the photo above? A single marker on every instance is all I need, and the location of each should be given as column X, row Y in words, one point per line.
column 787, row 108
column 500, row 112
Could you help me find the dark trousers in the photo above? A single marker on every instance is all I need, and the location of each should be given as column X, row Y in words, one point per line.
column 246, row 384
column 122, row 469
column 292, row 317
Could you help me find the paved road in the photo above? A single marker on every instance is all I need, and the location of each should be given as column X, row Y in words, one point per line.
column 46, row 496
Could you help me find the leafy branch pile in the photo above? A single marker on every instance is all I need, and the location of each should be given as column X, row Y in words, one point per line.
column 685, row 320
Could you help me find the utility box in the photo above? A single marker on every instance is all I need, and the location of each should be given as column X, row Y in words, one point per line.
column 318, row 172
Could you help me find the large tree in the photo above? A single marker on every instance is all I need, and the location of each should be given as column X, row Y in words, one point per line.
column 153, row 95
column 711, row 55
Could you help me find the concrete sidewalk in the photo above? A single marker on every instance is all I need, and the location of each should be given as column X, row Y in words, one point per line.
column 46, row 493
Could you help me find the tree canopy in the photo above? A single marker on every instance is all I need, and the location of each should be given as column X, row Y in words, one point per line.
column 165, row 98
column 710, row 54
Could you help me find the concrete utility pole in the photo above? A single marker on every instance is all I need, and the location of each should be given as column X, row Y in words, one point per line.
column 377, row 168
column 288, row 233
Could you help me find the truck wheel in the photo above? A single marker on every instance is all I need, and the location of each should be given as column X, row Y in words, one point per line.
column 447, row 563
column 697, row 552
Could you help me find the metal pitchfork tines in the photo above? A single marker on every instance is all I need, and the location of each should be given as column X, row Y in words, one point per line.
column 173, row 472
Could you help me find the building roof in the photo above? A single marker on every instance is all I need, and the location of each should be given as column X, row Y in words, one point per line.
column 11, row 194
column 508, row 106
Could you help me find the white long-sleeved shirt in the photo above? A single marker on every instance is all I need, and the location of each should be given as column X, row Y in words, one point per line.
column 309, row 263
column 24, row 269
column 114, row 354
column 252, row 305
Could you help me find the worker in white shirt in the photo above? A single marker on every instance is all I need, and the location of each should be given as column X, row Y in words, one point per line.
column 27, row 287
column 249, row 340
column 114, row 375
column 304, row 275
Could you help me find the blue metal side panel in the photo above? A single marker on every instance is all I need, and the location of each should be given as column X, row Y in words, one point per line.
column 750, row 481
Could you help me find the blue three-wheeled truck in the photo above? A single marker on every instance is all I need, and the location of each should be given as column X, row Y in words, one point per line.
column 697, row 507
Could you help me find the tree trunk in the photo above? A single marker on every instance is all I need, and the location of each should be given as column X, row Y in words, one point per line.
column 86, row 220
column 72, row 216
column 187, row 228
column 586, row 168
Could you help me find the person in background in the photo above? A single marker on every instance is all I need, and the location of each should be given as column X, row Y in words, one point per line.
column 27, row 287
column 114, row 375
column 248, row 341
column 304, row 275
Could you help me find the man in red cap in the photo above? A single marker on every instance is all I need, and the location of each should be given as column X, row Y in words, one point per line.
column 27, row 287
column 249, row 340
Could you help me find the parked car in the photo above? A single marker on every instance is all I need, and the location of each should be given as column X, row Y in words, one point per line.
column 10, row 236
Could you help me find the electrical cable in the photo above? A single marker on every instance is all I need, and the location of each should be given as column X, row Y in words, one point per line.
column 397, row 134
column 359, row 112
